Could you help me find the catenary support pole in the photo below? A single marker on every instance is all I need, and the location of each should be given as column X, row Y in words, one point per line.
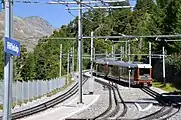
column 150, row 53
column 68, row 67
column 11, row 58
column 91, row 80
column 126, row 49
column 106, row 53
column 112, row 50
column 94, row 53
column 121, row 51
column 22, row 89
column 8, row 64
column 164, row 79
column 60, row 60
column 80, row 49
column 129, row 52
column 73, row 63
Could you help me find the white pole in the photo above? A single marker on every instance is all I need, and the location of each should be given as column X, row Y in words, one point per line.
column 113, row 51
column 8, row 64
column 60, row 60
column 106, row 53
column 92, row 45
column 150, row 53
column 121, row 53
column 129, row 51
column 129, row 66
column 126, row 49
column 67, row 66
column 91, row 80
column 94, row 53
column 164, row 79
column 73, row 63
column 80, row 49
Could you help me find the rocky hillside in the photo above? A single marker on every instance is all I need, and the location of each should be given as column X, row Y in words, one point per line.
column 26, row 30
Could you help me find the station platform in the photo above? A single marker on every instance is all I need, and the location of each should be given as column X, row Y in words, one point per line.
column 66, row 110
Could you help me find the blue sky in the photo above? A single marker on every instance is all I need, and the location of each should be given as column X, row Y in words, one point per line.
column 56, row 15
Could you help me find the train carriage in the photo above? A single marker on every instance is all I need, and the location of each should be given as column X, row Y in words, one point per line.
column 140, row 74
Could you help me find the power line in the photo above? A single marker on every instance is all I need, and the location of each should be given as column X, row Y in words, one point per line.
column 56, row 38
column 110, row 7
column 170, row 40
column 130, row 36
column 62, row 2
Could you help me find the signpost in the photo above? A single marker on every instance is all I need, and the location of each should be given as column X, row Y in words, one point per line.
column 8, row 61
column 12, row 47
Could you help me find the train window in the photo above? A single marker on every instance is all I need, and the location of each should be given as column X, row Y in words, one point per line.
column 144, row 71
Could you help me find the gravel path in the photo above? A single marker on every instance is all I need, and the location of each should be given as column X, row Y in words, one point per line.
column 136, row 95
column 176, row 117
column 97, row 108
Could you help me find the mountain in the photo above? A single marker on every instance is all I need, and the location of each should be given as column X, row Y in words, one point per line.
column 27, row 30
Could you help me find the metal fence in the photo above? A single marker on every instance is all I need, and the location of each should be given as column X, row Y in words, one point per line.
column 28, row 90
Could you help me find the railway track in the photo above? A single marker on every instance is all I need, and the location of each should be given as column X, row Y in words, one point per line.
column 169, row 108
column 48, row 104
column 110, row 112
column 166, row 111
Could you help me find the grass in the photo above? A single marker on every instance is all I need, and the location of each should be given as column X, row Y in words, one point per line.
column 168, row 87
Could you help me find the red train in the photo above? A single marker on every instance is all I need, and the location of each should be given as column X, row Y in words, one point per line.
column 140, row 74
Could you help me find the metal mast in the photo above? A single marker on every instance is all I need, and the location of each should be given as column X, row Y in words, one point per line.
column 60, row 60
column 8, row 63
column 80, row 49
column 91, row 80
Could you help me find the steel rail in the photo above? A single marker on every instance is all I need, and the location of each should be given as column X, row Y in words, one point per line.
column 161, row 113
column 122, row 101
column 117, row 107
column 164, row 110
column 107, row 114
column 110, row 100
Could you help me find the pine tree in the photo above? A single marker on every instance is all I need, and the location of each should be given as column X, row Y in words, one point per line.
column 145, row 5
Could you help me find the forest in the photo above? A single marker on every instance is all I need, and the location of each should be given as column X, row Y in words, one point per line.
column 148, row 17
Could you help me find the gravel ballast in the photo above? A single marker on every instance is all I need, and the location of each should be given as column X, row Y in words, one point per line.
column 98, row 107
column 133, row 97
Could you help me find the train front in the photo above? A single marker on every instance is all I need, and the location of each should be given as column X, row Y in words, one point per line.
column 144, row 75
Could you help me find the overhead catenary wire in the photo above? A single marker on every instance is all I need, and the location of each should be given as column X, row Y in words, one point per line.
column 131, row 36
column 68, row 8
column 62, row 2
column 111, row 7
column 85, row 3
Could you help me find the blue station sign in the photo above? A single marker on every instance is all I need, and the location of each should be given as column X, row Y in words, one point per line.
column 1, row 5
column 12, row 47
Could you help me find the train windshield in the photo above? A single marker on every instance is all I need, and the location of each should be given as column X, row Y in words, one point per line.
column 144, row 71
